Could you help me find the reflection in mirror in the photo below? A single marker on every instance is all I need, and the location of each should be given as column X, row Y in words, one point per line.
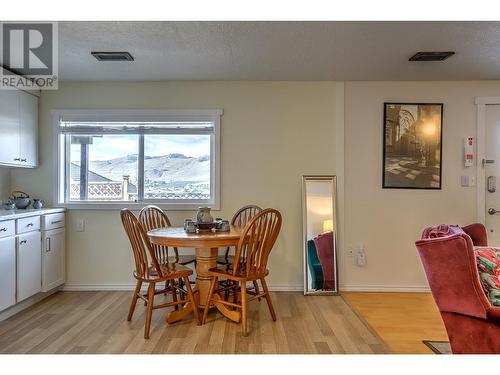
column 319, row 230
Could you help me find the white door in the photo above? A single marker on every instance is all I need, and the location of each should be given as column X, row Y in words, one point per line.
column 492, row 174
column 28, row 123
column 7, row 272
column 29, row 265
column 9, row 127
column 53, row 259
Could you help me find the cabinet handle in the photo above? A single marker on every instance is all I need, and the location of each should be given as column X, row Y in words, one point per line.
column 47, row 247
column 24, row 160
column 56, row 222
column 3, row 229
column 17, row 159
column 22, row 242
column 30, row 224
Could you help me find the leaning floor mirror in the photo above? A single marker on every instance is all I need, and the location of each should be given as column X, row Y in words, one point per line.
column 319, row 230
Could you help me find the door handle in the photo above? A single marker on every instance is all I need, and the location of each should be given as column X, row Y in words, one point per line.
column 487, row 161
column 492, row 211
column 47, row 247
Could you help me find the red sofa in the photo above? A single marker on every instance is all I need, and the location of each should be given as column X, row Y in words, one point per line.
column 472, row 323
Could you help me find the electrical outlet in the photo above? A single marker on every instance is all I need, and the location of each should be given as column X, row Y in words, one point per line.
column 361, row 256
column 80, row 225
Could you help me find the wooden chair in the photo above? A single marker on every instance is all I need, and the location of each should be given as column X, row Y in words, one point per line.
column 250, row 264
column 153, row 217
column 149, row 270
column 240, row 219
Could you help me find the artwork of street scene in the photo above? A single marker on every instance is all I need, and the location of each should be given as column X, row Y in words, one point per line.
column 412, row 146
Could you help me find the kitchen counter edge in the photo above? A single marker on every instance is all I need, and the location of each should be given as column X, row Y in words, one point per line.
column 17, row 214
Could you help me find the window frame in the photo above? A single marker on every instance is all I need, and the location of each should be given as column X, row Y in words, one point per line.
column 209, row 115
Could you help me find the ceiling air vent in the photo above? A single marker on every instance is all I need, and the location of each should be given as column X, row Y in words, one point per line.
column 112, row 56
column 431, row 56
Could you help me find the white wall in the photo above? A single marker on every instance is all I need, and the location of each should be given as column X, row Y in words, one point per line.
column 388, row 221
column 4, row 183
column 272, row 134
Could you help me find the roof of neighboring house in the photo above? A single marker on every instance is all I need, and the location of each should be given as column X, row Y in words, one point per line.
column 96, row 177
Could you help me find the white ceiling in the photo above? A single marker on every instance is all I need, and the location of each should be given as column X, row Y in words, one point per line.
column 279, row 50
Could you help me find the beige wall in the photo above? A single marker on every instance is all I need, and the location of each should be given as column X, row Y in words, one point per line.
column 272, row 133
column 288, row 129
column 388, row 221
column 4, row 183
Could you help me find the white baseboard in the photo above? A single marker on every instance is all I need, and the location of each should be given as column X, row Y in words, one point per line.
column 384, row 288
column 274, row 288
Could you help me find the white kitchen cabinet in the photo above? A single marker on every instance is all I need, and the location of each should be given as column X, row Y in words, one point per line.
column 9, row 127
column 28, row 129
column 7, row 272
column 53, row 259
column 29, row 265
column 18, row 128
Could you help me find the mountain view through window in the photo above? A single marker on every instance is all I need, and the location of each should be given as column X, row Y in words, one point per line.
column 176, row 167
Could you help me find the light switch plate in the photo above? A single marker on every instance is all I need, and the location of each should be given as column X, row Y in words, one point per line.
column 468, row 181
column 80, row 225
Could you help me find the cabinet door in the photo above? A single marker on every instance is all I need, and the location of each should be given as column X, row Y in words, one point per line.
column 7, row 272
column 28, row 125
column 9, row 127
column 53, row 259
column 29, row 265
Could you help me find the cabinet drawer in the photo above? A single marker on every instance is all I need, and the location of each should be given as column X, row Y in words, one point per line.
column 28, row 224
column 7, row 228
column 53, row 221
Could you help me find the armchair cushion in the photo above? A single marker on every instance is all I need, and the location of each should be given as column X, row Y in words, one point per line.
column 441, row 230
column 488, row 265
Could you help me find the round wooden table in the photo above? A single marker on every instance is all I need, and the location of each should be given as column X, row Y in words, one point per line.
column 207, row 246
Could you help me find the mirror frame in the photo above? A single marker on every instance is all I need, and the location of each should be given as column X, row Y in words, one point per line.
column 333, row 180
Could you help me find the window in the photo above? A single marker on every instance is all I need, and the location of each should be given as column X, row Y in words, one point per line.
column 121, row 158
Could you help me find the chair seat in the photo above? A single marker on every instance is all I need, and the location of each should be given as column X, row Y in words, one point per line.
column 170, row 271
column 222, row 259
column 227, row 272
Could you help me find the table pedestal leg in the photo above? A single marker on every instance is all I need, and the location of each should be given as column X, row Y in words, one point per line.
column 205, row 259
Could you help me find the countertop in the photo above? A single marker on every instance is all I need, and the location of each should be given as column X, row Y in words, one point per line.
column 16, row 214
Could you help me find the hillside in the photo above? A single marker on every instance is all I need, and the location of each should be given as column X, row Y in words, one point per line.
column 167, row 168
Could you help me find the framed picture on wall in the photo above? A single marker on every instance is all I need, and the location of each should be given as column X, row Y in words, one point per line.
column 412, row 146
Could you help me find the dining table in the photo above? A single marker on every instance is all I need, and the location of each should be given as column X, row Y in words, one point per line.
column 206, row 245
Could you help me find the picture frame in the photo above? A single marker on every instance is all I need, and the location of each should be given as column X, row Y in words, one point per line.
column 412, row 146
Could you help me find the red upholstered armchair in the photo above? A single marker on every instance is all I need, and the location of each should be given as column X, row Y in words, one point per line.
column 472, row 323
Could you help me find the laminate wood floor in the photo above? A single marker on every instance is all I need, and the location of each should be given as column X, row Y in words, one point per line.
column 403, row 320
column 95, row 322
